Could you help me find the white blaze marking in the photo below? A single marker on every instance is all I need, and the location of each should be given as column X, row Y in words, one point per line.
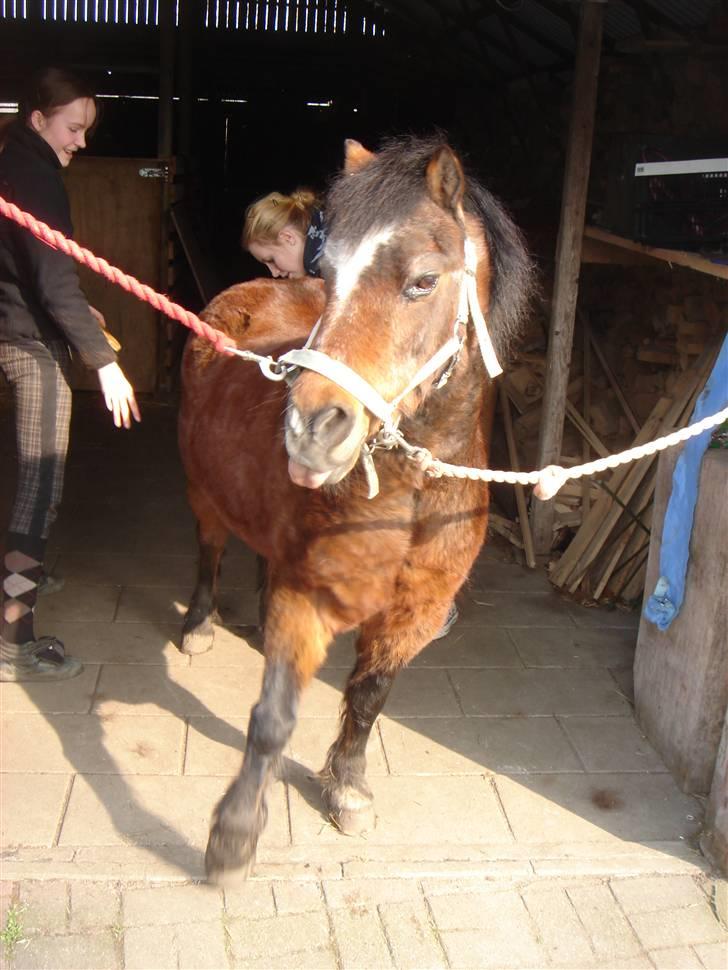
column 350, row 266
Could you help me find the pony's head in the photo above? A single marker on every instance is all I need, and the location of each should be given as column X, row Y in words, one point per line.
column 394, row 269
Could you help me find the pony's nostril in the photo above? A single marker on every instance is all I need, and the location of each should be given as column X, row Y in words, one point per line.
column 331, row 426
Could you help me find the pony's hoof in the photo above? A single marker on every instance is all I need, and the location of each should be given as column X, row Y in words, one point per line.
column 197, row 642
column 229, row 857
column 351, row 811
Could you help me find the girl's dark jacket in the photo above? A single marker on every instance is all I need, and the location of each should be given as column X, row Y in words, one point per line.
column 40, row 295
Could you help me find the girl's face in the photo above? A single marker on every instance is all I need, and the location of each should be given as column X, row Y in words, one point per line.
column 65, row 129
column 284, row 257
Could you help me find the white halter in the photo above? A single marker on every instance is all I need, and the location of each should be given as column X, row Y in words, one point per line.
column 354, row 384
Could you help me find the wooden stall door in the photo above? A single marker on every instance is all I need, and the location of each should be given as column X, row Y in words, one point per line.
column 117, row 213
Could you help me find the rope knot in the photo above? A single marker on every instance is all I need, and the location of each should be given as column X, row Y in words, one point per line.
column 550, row 480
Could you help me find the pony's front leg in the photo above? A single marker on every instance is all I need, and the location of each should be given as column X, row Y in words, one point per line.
column 384, row 647
column 295, row 645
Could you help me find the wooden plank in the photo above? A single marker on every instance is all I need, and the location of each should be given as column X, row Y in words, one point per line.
column 584, row 430
column 643, row 500
column 685, row 668
column 666, row 415
column 674, row 256
column 613, row 382
column 586, row 408
column 568, row 253
column 563, row 569
column 515, row 465
column 677, row 416
column 118, row 215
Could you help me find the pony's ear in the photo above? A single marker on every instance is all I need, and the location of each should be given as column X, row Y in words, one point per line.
column 356, row 156
column 446, row 179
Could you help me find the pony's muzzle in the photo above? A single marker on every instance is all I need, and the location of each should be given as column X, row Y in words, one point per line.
column 323, row 445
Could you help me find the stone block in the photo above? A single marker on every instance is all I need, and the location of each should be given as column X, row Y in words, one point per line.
column 561, row 934
column 413, row 942
column 650, row 894
column 675, row 958
column 168, row 905
column 31, row 808
column 678, row 927
column 574, row 648
column 93, row 905
column 360, row 939
column 277, row 937
column 150, row 946
column 298, row 897
column 81, row 951
column 610, row 933
column 611, row 744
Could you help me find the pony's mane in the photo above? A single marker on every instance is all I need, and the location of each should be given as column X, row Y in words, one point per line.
column 389, row 188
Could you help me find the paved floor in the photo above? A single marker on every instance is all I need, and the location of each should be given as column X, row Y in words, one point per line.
column 523, row 821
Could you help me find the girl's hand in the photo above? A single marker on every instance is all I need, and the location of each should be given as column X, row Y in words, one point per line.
column 119, row 395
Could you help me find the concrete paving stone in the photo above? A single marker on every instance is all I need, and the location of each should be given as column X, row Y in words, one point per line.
column 610, row 933
column 31, row 807
column 313, row 736
column 719, row 899
column 234, row 646
column 86, row 743
column 298, row 897
column 8, row 897
column 277, row 936
column 574, row 648
column 612, row 744
column 474, row 745
column 104, row 569
column 150, row 948
column 366, row 894
column 342, row 652
column 624, row 679
column 639, row 962
column 324, row 959
column 713, row 956
column 149, row 604
column 469, row 646
column 506, row 609
column 558, row 928
column 122, row 643
column 650, row 894
column 487, row 930
column 323, row 696
column 411, row 936
column 418, row 691
column 77, row 951
column 678, row 927
column 66, row 697
column 532, row 692
column 215, row 745
column 201, row 946
column 168, row 905
column 506, row 577
column 597, row 808
column 360, row 939
column 155, row 811
column 410, row 811
column 77, row 601
column 93, row 904
column 252, row 899
column 45, row 907
column 675, row 958
column 599, row 617
column 127, row 689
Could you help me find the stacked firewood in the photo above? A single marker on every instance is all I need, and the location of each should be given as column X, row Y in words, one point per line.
column 602, row 524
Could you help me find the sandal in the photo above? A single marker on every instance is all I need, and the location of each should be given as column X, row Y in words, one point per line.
column 39, row 660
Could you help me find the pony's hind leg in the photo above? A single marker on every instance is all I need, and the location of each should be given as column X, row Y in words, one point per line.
column 348, row 798
column 198, row 632
column 295, row 645
column 385, row 645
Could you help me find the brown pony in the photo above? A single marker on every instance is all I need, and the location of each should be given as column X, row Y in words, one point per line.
column 279, row 466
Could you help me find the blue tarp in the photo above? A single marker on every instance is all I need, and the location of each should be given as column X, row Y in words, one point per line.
column 664, row 604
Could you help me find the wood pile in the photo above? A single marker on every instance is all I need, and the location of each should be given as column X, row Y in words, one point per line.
column 602, row 524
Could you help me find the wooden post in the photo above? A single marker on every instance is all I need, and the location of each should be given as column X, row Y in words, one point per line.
column 568, row 254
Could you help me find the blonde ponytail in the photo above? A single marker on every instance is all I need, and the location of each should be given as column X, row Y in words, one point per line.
column 267, row 217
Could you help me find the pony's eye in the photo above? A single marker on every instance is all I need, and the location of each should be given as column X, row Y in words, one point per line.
column 421, row 287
